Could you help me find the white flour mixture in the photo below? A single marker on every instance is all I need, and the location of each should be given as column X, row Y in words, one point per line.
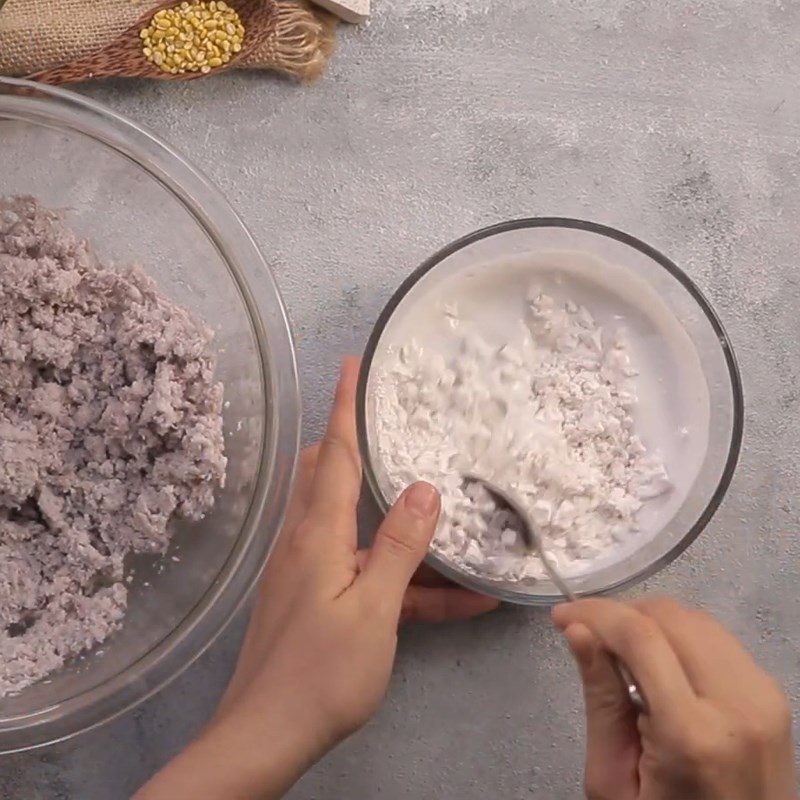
column 508, row 374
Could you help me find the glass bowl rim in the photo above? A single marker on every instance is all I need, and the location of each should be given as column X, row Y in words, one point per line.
column 266, row 311
column 487, row 587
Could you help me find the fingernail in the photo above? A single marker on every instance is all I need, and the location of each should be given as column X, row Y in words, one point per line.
column 422, row 499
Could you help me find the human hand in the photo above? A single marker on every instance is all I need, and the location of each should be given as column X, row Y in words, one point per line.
column 321, row 642
column 718, row 727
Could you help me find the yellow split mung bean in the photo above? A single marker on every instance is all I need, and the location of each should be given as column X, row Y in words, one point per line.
column 193, row 36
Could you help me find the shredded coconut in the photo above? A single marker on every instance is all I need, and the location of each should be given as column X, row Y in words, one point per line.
column 110, row 424
column 548, row 415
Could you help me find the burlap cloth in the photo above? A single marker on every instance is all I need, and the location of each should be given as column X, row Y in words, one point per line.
column 39, row 34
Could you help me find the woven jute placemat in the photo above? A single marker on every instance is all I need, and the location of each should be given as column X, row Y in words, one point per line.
column 40, row 35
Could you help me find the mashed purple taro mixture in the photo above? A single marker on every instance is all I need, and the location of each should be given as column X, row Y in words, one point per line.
column 110, row 425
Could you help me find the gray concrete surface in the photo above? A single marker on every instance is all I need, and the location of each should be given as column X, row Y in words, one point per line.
column 677, row 121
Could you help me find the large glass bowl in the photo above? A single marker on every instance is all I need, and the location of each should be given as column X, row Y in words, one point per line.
column 541, row 241
column 138, row 201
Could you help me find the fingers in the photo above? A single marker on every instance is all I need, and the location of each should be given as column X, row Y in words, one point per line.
column 303, row 483
column 424, row 576
column 337, row 479
column 640, row 643
column 428, row 576
column 715, row 662
column 606, row 698
column 400, row 545
column 265, row 617
column 444, row 604
column 298, row 505
column 433, row 598
column 613, row 746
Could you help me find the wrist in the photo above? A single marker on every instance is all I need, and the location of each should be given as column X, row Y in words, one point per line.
column 254, row 751
column 269, row 741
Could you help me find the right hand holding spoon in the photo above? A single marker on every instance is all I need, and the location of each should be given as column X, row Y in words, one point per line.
column 719, row 727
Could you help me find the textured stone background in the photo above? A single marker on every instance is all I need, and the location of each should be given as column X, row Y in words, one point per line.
column 677, row 121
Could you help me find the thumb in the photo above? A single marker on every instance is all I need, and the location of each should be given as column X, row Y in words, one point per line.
column 613, row 745
column 402, row 542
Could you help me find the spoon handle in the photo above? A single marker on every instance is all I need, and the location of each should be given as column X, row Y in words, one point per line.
column 534, row 544
column 635, row 693
column 631, row 686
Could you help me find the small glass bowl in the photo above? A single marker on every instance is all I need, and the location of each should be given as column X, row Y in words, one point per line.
column 531, row 237
column 139, row 202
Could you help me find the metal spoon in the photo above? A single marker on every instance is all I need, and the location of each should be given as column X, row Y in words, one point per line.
column 533, row 543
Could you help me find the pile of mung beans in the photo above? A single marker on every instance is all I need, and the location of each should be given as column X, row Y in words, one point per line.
column 193, row 36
